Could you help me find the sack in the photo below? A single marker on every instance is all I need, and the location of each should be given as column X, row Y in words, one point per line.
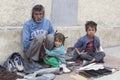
column 14, row 63
column 69, row 54
column 52, row 62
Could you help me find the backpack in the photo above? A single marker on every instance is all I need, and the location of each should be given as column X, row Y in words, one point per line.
column 14, row 62
column 70, row 52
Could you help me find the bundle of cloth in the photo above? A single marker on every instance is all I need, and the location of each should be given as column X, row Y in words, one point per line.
column 95, row 70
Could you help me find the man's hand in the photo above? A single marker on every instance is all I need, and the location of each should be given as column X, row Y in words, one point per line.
column 44, row 45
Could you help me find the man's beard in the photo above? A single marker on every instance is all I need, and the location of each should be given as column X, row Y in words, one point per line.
column 37, row 21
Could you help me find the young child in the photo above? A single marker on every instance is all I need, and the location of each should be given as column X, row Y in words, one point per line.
column 88, row 46
column 56, row 57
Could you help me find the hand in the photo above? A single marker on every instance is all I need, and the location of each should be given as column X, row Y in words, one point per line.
column 44, row 37
column 44, row 46
column 82, row 52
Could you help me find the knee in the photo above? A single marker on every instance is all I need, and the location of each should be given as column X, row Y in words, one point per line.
column 40, row 38
column 50, row 37
column 86, row 57
column 75, row 56
column 83, row 56
column 102, row 53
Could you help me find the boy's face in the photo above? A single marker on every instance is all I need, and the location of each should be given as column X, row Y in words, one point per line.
column 38, row 15
column 91, row 31
column 58, row 43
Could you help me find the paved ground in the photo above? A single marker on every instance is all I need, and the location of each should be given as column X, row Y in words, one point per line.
column 112, row 59
column 113, row 51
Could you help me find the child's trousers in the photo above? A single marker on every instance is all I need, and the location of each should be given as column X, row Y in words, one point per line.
column 97, row 55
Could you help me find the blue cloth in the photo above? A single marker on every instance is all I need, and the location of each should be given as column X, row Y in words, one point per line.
column 31, row 29
column 83, row 41
column 58, row 52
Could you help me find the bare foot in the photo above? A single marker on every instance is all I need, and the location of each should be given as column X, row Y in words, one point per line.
column 93, row 60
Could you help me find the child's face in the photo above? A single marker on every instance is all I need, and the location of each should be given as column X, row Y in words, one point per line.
column 91, row 31
column 38, row 15
column 58, row 43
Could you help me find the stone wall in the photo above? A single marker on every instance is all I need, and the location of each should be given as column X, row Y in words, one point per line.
column 13, row 14
column 16, row 12
column 104, row 12
column 11, row 38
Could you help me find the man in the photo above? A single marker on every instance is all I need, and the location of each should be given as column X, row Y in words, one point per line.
column 36, row 31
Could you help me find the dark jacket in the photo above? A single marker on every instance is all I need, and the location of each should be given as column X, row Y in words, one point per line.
column 82, row 43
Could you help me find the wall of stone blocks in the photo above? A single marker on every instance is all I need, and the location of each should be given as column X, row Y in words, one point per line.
column 11, row 38
column 16, row 12
column 104, row 12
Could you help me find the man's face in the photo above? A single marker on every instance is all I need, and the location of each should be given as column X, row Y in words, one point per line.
column 38, row 15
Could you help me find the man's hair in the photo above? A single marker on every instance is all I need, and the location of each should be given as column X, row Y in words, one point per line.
column 90, row 24
column 59, row 36
column 37, row 8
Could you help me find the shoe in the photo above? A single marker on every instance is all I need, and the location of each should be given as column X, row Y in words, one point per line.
column 65, row 69
column 10, row 66
column 18, row 64
column 35, row 66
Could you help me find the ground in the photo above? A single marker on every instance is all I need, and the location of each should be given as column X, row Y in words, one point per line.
column 112, row 59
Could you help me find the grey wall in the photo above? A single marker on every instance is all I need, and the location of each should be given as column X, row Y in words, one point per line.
column 16, row 12
column 10, row 38
column 105, row 12
column 64, row 12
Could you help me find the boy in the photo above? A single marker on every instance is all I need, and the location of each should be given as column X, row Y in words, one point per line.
column 88, row 46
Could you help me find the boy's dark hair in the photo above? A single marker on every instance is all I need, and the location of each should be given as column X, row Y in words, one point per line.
column 91, row 24
column 37, row 8
column 59, row 36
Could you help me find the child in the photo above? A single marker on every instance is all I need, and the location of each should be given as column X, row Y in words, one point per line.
column 56, row 57
column 88, row 46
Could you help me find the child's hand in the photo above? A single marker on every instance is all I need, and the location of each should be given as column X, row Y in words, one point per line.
column 82, row 52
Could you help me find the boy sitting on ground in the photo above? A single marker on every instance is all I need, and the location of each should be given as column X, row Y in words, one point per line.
column 88, row 46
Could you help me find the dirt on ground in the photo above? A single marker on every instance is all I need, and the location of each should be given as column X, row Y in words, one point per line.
column 6, row 75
